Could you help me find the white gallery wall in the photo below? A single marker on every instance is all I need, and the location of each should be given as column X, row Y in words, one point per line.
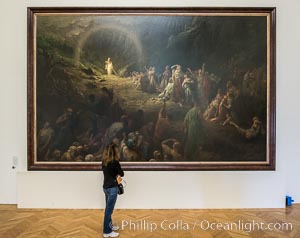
column 182, row 189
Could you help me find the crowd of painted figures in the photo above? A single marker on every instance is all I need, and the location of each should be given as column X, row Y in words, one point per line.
column 138, row 139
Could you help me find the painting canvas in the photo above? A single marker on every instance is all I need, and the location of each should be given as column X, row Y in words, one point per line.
column 174, row 89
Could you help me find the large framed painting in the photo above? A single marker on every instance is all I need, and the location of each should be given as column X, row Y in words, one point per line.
column 172, row 88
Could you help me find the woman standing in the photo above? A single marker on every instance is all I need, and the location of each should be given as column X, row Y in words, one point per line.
column 112, row 172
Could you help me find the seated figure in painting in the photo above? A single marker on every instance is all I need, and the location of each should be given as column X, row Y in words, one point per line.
column 253, row 132
column 225, row 107
column 156, row 156
column 167, row 93
column 171, row 148
column 128, row 152
column 212, row 109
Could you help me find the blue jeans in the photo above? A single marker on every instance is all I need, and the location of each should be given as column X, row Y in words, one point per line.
column 111, row 195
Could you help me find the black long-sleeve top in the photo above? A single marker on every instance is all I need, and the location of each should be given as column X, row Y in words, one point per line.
column 110, row 173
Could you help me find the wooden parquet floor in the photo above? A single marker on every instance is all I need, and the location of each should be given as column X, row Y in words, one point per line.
column 235, row 223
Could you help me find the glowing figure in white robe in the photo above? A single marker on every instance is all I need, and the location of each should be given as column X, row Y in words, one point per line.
column 109, row 67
